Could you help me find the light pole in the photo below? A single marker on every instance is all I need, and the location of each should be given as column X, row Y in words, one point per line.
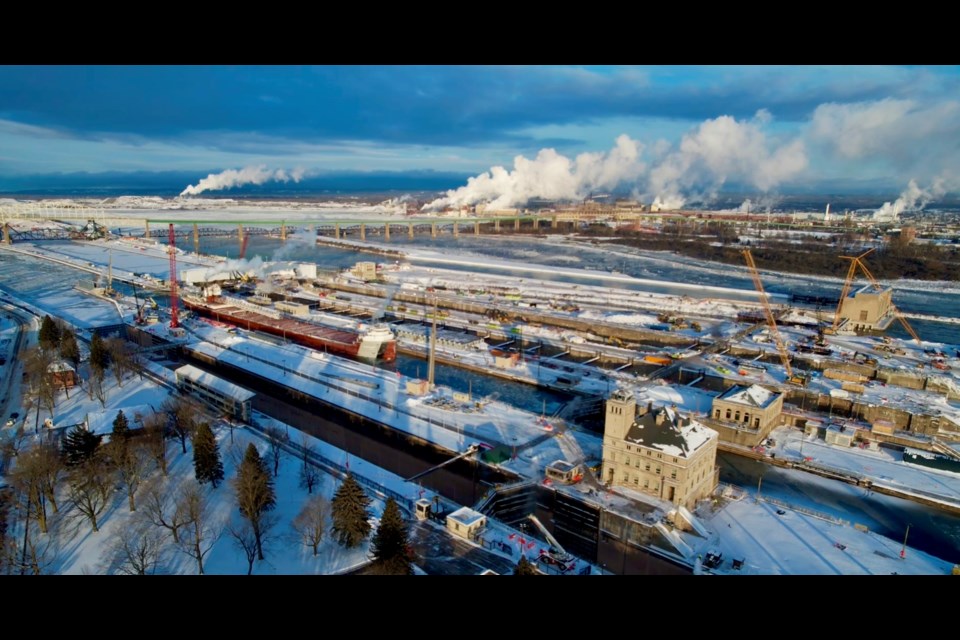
column 903, row 550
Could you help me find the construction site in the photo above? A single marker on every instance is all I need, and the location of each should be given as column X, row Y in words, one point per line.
column 306, row 336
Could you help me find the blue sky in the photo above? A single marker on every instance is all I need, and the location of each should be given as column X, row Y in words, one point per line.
column 879, row 124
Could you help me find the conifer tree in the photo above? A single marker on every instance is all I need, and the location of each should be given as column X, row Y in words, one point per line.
column 390, row 552
column 69, row 350
column 255, row 494
column 206, row 456
column 525, row 568
column 121, row 428
column 350, row 512
column 49, row 334
column 99, row 358
column 79, row 445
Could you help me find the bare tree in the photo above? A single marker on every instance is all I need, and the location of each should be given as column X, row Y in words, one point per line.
column 155, row 437
column 36, row 365
column 185, row 415
column 36, row 477
column 95, row 386
column 277, row 437
column 311, row 523
column 163, row 505
column 309, row 475
column 137, row 548
column 202, row 530
column 89, row 488
column 120, row 358
column 130, row 459
column 245, row 540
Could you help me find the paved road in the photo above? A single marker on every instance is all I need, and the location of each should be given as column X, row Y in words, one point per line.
column 440, row 553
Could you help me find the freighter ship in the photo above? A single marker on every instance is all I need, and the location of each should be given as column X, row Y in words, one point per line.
column 375, row 343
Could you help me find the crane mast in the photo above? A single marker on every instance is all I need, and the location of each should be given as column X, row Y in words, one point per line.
column 768, row 312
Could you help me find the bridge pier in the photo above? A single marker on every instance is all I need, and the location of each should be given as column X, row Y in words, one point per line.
column 6, row 233
column 433, row 229
column 553, row 222
column 196, row 239
column 283, row 231
column 146, row 229
column 240, row 232
column 456, row 230
column 386, row 231
column 363, row 231
column 410, row 231
column 536, row 223
column 476, row 227
column 336, row 230
column 516, row 224
column 496, row 225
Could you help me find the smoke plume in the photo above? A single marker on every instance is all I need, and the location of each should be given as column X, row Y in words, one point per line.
column 549, row 175
column 239, row 177
column 717, row 151
column 912, row 198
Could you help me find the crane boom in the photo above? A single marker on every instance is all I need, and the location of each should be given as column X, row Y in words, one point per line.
column 561, row 554
column 768, row 312
column 848, row 283
column 896, row 312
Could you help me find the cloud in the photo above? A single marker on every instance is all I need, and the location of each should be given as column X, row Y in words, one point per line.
column 915, row 138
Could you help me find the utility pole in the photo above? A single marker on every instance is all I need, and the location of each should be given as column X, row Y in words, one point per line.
column 903, row 550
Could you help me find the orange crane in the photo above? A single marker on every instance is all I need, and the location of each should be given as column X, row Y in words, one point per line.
column 174, row 307
column 771, row 320
column 857, row 261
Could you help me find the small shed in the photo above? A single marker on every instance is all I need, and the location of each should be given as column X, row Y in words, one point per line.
column 466, row 523
column 418, row 387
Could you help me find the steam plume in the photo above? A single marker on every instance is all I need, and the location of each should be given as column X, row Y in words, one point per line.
column 239, row 177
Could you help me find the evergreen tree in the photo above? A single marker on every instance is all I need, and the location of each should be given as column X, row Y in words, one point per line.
column 525, row 568
column 99, row 358
column 49, row 334
column 69, row 350
column 121, row 428
column 206, row 456
column 350, row 513
column 79, row 445
column 255, row 494
column 390, row 553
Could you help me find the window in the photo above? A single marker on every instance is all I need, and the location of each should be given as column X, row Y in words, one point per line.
column 674, row 459
column 717, row 414
column 659, row 456
column 658, row 471
column 647, row 467
column 673, row 475
column 736, row 416
column 756, row 422
column 746, row 418
column 863, row 315
column 646, row 484
column 636, row 463
column 636, row 480
column 728, row 414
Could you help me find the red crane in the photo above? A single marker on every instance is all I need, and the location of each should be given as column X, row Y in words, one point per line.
column 174, row 303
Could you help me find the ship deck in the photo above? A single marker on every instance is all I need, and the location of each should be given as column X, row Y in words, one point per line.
column 287, row 325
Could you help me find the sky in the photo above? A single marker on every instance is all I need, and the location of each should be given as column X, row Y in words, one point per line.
column 670, row 131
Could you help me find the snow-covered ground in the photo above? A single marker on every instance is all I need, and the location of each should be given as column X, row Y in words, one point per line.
column 775, row 540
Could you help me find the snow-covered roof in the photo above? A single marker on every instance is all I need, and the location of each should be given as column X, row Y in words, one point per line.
column 210, row 381
column 667, row 431
column 466, row 516
column 754, row 395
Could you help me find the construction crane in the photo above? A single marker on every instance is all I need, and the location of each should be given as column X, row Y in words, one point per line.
column 174, row 301
column 556, row 556
column 243, row 245
column 857, row 261
column 771, row 320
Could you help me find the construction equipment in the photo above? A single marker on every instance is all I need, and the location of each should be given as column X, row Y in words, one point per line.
column 772, row 321
column 174, row 300
column 857, row 261
column 555, row 559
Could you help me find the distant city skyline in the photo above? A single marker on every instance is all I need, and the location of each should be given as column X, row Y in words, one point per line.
column 677, row 134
